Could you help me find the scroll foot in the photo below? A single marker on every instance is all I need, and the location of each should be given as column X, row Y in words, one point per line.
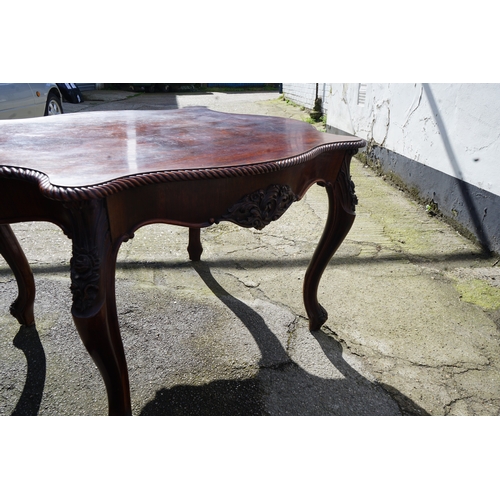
column 22, row 307
column 317, row 318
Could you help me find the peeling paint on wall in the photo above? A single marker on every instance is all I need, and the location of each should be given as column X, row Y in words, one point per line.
column 381, row 121
column 453, row 128
column 414, row 106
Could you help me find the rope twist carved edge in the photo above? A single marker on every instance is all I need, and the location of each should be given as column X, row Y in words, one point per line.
column 72, row 194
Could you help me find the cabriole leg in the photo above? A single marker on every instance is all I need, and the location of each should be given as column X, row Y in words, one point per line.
column 341, row 214
column 94, row 306
column 22, row 307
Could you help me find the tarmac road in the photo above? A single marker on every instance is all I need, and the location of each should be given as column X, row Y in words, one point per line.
column 414, row 310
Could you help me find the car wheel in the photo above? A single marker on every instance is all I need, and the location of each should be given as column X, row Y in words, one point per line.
column 53, row 106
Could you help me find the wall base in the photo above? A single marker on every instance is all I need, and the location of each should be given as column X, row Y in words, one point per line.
column 471, row 210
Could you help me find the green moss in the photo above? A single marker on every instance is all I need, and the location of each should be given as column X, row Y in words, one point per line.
column 480, row 293
column 414, row 194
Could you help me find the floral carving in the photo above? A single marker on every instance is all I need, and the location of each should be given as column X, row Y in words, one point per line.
column 261, row 207
column 84, row 278
column 346, row 186
column 90, row 234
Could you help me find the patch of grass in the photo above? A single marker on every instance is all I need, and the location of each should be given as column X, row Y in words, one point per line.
column 413, row 193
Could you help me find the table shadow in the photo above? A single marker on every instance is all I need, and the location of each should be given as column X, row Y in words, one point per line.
column 28, row 341
column 295, row 391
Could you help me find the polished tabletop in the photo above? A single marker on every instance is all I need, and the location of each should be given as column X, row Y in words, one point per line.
column 89, row 149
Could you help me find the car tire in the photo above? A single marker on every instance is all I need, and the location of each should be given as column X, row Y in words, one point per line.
column 53, row 106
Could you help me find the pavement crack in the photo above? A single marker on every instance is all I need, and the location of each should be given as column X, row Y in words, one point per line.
column 364, row 351
column 291, row 330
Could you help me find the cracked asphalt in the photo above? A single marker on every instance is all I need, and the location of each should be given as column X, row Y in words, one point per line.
column 414, row 310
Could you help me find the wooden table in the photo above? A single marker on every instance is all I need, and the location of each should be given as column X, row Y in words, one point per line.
column 100, row 176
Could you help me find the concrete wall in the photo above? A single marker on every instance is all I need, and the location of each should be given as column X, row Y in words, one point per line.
column 442, row 140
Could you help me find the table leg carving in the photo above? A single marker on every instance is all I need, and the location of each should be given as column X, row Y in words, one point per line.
column 22, row 307
column 194, row 248
column 94, row 306
column 341, row 214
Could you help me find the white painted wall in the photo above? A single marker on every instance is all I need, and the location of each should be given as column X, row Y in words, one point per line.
column 453, row 128
column 303, row 94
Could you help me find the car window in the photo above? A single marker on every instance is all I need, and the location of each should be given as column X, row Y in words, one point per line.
column 16, row 101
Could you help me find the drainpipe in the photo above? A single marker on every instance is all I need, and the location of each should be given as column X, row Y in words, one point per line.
column 317, row 112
